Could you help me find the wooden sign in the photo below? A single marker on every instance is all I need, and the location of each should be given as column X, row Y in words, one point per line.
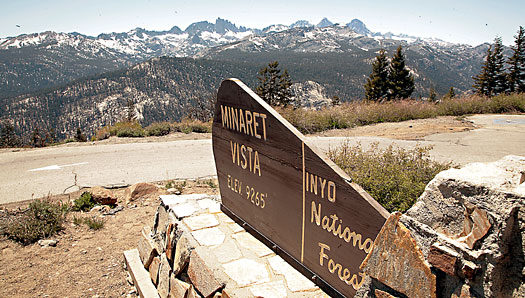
column 289, row 194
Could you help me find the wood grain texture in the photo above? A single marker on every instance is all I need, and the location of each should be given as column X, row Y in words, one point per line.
column 311, row 211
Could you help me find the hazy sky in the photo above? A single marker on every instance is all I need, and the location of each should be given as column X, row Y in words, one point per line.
column 465, row 21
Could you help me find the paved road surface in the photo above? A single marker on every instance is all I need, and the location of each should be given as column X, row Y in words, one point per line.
column 37, row 172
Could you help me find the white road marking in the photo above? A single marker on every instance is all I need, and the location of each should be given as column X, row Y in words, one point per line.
column 57, row 167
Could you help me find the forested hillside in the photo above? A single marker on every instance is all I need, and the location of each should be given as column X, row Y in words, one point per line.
column 161, row 89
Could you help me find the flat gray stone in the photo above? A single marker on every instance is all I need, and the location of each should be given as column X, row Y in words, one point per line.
column 183, row 210
column 164, row 277
column 275, row 289
column 147, row 247
column 236, row 228
column 178, row 288
column 202, row 274
column 161, row 221
column 195, row 196
column 169, row 200
column 224, row 218
column 227, row 252
column 140, row 276
column 296, row 281
column 154, row 270
column 200, row 222
column 210, row 205
column 182, row 254
column 47, row 242
column 249, row 242
column 246, row 272
column 209, row 237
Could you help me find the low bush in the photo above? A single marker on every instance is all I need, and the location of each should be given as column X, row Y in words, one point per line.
column 83, row 203
column 125, row 129
column 41, row 219
column 77, row 220
column 129, row 130
column 190, row 125
column 158, row 129
column 393, row 176
column 94, row 223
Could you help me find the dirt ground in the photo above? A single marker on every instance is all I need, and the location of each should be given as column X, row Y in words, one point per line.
column 406, row 130
column 85, row 263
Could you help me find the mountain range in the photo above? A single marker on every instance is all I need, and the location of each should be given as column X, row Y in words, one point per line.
column 52, row 67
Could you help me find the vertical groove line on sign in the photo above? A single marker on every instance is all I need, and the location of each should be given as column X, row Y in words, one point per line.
column 302, row 238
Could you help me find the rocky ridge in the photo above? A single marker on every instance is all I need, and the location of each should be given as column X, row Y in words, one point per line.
column 31, row 62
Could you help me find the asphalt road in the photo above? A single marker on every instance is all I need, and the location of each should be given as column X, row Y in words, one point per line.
column 35, row 173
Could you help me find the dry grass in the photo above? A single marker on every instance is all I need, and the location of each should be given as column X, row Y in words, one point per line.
column 364, row 113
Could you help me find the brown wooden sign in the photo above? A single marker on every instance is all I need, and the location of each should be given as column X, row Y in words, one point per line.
column 289, row 193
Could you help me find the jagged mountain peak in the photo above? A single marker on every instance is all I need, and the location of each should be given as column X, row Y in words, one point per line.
column 359, row 27
column 200, row 26
column 175, row 30
column 221, row 26
column 324, row 23
column 300, row 24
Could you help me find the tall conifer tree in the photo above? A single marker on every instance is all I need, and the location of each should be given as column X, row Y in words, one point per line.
column 500, row 77
column 400, row 80
column 376, row 87
column 481, row 81
column 492, row 78
column 516, row 76
column 274, row 87
column 8, row 138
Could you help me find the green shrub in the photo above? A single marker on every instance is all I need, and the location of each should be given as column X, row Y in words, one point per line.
column 180, row 185
column 40, row 220
column 125, row 129
column 169, row 185
column 211, row 183
column 129, row 130
column 84, row 203
column 158, row 129
column 394, row 177
column 94, row 223
column 190, row 125
column 77, row 220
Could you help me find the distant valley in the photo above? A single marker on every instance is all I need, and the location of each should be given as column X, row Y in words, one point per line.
column 62, row 81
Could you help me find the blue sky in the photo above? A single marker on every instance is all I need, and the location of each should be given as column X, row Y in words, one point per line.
column 462, row 21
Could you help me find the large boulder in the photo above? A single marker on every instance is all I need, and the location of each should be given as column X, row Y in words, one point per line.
column 103, row 196
column 469, row 225
column 140, row 190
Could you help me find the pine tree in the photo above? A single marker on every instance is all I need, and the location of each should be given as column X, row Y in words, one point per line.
column 8, row 138
column 79, row 136
column 516, row 76
column 500, row 77
column 400, row 80
column 274, row 87
column 335, row 100
column 451, row 93
column 492, row 78
column 432, row 95
column 130, row 107
column 36, row 138
column 481, row 81
column 376, row 87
